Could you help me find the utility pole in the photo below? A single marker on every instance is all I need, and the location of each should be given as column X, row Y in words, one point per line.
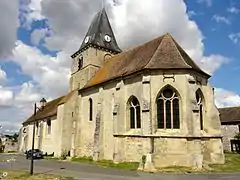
column 33, row 140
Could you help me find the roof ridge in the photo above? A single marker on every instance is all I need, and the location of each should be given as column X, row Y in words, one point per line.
column 185, row 53
column 155, row 51
column 174, row 43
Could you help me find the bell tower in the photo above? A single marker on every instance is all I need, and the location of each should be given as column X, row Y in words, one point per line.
column 98, row 45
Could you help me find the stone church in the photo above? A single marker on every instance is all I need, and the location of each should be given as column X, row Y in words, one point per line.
column 152, row 100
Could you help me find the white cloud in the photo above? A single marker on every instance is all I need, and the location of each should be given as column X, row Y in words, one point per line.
column 235, row 38
column 221, row 19
column 3, row 75
column 37, row 35
column 213, row 62
column 225, row 98
column 207, row 2
column 27, row 94
column 50, row 73
column 6, row 97
column 16, row 104
column 233, row 10
column 30, row 10
column 8, row 26
column 9, row 127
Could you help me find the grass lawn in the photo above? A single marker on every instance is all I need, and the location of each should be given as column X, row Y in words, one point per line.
column 21, row 175
column 107, row 163
column 232, row 164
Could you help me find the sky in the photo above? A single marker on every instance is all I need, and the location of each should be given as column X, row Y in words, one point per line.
column 37, row 38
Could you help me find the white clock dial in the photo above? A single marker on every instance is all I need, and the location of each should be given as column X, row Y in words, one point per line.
column 107, row 38
column 87, row 39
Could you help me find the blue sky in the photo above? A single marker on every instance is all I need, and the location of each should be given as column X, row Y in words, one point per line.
column 217, row 39
column 36, row 46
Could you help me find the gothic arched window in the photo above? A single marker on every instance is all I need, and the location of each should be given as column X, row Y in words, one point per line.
column 90, row 110
column 168, row 110
column 199, row 99
column 134, row 113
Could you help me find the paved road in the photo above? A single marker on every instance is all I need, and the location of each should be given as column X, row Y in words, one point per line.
column 91, row 172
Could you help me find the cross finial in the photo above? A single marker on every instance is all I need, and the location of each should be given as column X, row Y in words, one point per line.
column 103, row 4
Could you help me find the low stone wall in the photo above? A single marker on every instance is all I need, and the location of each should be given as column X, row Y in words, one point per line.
column 228, row 132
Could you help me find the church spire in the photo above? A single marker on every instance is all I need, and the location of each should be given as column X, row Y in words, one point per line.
column 100, row 34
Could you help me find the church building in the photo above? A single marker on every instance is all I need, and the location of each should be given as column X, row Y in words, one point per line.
column 152, row 100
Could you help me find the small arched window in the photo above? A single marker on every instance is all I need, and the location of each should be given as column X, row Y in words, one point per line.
column 199, row 99
column 49, row 126
column 37, row 125
column 168, row 110
column 134, row 113
column 80, row 62
column 90, row 109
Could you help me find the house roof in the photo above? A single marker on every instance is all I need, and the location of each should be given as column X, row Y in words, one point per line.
column 99, row 28
column 50, row 108
column 229, row 114
column 161, row 53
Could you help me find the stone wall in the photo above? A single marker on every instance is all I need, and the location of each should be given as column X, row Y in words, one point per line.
column 93, row 59
column 69, row 115
column 120, row 143
column 228, row 131
column 47, row 142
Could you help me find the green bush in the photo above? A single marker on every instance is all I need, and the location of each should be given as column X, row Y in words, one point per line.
column 64, row 155
column 237, row 136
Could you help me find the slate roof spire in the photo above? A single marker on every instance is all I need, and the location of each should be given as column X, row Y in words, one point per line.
column 100, row 34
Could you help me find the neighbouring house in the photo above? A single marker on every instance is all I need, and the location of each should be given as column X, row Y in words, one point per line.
column 150, row 100
column 8, row 144
column 230, row 121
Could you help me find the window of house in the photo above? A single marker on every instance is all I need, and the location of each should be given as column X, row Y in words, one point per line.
column 90, row 110
column 199, row 99
column 168, row 110
column 49, row 126
column 134, row 113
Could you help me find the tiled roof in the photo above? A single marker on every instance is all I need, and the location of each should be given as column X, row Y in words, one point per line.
column 161, row 53
column 230, row 114
column 50, row 108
